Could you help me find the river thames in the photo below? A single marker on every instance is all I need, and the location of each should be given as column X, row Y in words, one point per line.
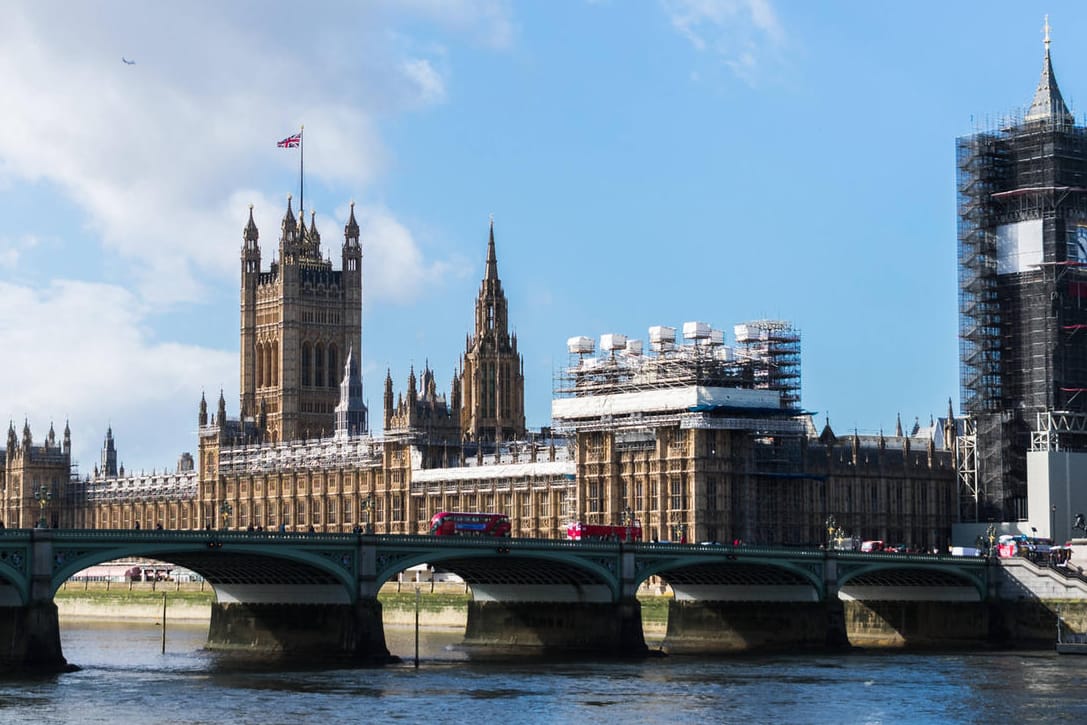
column 125, row 677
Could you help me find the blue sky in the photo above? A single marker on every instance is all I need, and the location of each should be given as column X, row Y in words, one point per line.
column 646, row 163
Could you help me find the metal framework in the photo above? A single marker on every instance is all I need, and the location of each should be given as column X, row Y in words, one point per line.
column 1022, row 304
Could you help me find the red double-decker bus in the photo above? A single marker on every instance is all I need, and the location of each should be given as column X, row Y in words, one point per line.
column 457, row 523
column 578, row 531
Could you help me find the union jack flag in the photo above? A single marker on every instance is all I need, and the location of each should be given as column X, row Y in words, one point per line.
column 290, row 142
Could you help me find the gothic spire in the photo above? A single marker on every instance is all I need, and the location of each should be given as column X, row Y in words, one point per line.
column 351, row 229
column 250, row 234
column 492, row 260
column 1048, row 105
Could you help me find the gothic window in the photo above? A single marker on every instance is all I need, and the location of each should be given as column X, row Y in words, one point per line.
column 307, row 353
column 333, row 367
column 319, row 365
column 260, row 372
column 274, row 380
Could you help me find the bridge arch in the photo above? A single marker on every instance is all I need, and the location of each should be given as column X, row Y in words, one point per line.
column 490, row 567
column 727, row 570
column 888, row 572
column 225, row 561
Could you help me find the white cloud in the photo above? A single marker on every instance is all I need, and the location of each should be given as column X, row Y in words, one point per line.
column 431, row 88
column 11, row 250
column 86, row 355
column 745, row 34
column 393, row 265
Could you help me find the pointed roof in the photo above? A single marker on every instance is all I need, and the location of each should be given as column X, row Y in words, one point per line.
column 1048, row 104
column 250, row 234
column 492, row 259
column 351, row 229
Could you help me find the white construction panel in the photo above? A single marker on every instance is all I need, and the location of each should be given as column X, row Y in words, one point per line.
column 659, row 334
column 580, row 345
column 1018, row 246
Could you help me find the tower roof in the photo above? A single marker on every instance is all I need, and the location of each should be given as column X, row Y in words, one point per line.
column 250, row 234
column 1048, row 104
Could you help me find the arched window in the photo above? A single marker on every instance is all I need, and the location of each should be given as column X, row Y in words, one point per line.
column 319, row 365
column 333, row 367
column 273, row 350
column 307, row 352
column 259, row 373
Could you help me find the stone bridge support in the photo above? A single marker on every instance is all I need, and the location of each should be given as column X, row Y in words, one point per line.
column 559, row 618
column 30, row 631
column 312, row 624
column 313, row 633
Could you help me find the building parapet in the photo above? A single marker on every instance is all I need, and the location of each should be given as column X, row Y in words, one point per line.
column 143, row 487
column 319, row 454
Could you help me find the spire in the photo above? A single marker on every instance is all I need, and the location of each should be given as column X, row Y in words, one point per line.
column 1048, row 105
column 250, row 234
column 289, row 216
column 492, row 260
column 898, row 426
column 351, row 229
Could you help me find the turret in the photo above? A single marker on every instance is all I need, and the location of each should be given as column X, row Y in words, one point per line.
column 388, row 399
column 290, row 242
column 202, row 419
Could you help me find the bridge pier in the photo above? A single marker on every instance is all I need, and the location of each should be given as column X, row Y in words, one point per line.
column 723, row 627
column 918, row 624
column 31, row 639
column 30, row 632
column 309, row 633
column 607, row 628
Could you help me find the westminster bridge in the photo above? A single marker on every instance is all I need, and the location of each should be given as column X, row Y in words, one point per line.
column 313, row 597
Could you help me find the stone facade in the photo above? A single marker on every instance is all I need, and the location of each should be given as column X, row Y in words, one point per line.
column 299, row 455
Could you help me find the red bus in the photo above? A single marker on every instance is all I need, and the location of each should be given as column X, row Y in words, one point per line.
column 447, row 523
column 577, row 531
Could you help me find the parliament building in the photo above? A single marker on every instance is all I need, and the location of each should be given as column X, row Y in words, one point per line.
column 696, row 439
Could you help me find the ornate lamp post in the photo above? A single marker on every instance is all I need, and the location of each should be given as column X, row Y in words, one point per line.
column 832, row 529
column 226, row 509
column 990, row 538
column 368, row 509
column 627, row 519
column 43, row 496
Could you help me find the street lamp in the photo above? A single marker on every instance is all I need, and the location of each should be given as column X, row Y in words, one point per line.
column 43, row 495
column 368, row 509
column 1053, row 523
column 990, row 538
column 832, row 529
column 226, row 509
column 627, row 519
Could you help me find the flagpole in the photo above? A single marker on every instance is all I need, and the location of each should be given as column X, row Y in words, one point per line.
column 301, row 175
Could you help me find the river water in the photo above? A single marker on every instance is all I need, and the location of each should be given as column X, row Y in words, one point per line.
column 125, row 678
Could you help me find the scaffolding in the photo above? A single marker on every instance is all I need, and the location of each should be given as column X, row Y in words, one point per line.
column 766, row 357
column 1022, row 251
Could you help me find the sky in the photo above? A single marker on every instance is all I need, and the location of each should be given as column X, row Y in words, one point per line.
column 646, row 163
